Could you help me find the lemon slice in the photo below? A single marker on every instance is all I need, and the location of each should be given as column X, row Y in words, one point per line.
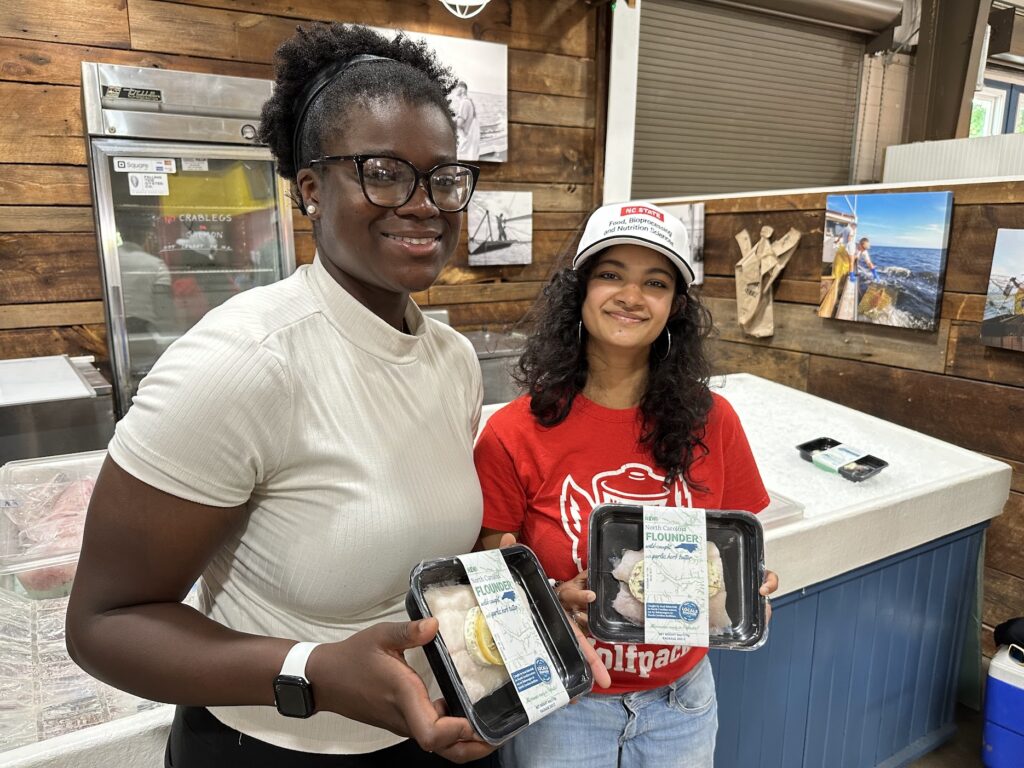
column 715, row 577
column 479, row 640
column 636, row 581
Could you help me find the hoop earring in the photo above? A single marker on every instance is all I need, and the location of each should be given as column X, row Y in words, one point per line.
column 667, row 348
column 579, row 334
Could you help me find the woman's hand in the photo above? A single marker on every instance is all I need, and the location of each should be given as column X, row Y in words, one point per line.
column 367, row 678
column 770, row 584
column 575, row 598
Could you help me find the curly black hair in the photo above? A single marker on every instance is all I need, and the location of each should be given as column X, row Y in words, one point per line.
column 676, row 402
column 414, row 75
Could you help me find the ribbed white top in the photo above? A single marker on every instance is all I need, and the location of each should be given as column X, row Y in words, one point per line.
column 352, row 443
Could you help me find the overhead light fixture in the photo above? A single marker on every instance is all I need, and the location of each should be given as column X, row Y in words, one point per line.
column 465, row 10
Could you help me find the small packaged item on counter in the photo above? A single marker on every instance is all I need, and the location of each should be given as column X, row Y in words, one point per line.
column 43, row 503
column 839, row 458
column 676, row 576
column 504, row 655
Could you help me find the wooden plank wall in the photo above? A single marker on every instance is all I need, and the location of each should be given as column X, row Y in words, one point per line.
column 50, row 287
column 946, row 383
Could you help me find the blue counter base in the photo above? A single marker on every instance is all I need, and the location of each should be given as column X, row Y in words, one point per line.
column 859, row 671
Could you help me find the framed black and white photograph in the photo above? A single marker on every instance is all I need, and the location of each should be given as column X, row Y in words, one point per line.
column 480, row 100
column 692, row 216
column 500, row 228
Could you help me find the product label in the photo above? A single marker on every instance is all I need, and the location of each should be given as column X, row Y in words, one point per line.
column 839, row 456
column 144, row 165
column 526, row 658
column 675, row 576
column 195, row 164
column 132, row 94
column 148, row 184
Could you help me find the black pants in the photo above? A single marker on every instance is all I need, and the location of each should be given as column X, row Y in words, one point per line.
column 199, row 740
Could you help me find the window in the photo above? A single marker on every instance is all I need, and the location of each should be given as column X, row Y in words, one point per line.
column 988, row 110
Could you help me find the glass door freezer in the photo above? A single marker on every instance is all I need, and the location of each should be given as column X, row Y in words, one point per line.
column 189, row 209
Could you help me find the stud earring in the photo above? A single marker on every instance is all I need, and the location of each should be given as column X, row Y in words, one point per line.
column 311, row 209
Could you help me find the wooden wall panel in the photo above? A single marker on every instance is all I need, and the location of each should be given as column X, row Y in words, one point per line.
column 50, row 268
column 789, row 368
column 973, row 414
column 86, row 22
column 721, row 252
column 67, row 340
column 1004, row 596
column 799, row 329
column 13, row 316
column 41, row 124
column 971, row 359
column 42, row 184
column 1005, row 541
column 45, row 218
column 34, row 62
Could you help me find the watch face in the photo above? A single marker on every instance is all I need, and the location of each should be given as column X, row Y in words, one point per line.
column 293, row 697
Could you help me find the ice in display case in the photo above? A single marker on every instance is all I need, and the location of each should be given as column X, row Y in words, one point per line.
column 189, row 209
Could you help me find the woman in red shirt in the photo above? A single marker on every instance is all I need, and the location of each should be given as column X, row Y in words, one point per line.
column 618, row 410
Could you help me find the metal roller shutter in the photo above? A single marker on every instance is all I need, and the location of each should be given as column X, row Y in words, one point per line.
column 730, row 100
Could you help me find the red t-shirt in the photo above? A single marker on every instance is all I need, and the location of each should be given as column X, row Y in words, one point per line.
column 543, row 483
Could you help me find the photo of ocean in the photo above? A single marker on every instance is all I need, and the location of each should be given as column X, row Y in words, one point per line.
column 884, row 258
column 913, row 276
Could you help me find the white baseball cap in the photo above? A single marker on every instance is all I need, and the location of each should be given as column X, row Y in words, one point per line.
column 637, row 223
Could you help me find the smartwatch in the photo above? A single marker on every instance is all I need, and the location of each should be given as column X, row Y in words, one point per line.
column 293, row 694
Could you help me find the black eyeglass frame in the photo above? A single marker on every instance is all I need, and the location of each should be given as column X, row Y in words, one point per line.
column 358, row 161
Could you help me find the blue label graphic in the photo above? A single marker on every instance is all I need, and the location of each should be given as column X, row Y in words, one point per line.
column 535, row 674
column 689, row 547
column 689, row 611
column 543, row 670
column 510, row 595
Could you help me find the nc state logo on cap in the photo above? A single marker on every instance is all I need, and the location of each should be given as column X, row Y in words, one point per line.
column 630, row 210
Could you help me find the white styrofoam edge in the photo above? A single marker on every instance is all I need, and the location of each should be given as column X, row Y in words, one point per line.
column 1002, row 667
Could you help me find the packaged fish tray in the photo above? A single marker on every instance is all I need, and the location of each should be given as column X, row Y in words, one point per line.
column 845, row 460
column 505, row 655
column 677, row 576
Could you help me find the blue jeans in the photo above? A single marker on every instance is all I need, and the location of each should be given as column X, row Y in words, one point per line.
column 669, row 727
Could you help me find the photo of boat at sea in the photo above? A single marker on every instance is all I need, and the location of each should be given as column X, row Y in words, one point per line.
column 1002, row 324
column 884, row 258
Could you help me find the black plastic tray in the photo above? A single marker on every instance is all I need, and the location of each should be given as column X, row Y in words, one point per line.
column 740, row 540
column 500, row 715
column 862, row 469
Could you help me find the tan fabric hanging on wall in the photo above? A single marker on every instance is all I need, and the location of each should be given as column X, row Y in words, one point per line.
column 757, row 269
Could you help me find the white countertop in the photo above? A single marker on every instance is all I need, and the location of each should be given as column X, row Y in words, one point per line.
column 930, row 488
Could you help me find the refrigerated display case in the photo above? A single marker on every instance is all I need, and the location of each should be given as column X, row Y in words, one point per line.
column 189, row 209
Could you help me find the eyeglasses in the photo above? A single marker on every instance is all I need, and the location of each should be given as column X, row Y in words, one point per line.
column 390, row 182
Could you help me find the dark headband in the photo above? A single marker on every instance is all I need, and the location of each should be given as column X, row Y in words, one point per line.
column 313, row 89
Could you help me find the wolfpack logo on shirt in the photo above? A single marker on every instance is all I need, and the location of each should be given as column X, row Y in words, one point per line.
column 631, row 483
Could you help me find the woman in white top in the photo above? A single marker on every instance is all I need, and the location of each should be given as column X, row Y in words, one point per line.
column 301, row 449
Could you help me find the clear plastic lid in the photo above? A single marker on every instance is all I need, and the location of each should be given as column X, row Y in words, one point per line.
column 43, row 503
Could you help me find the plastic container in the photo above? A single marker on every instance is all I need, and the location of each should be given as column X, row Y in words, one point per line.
column 500, row 715
column 739, row 537
column 42, row 513
column 856, row 471
column 1003, row 735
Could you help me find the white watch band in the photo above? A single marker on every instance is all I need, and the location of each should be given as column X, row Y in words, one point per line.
column 295, row 662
